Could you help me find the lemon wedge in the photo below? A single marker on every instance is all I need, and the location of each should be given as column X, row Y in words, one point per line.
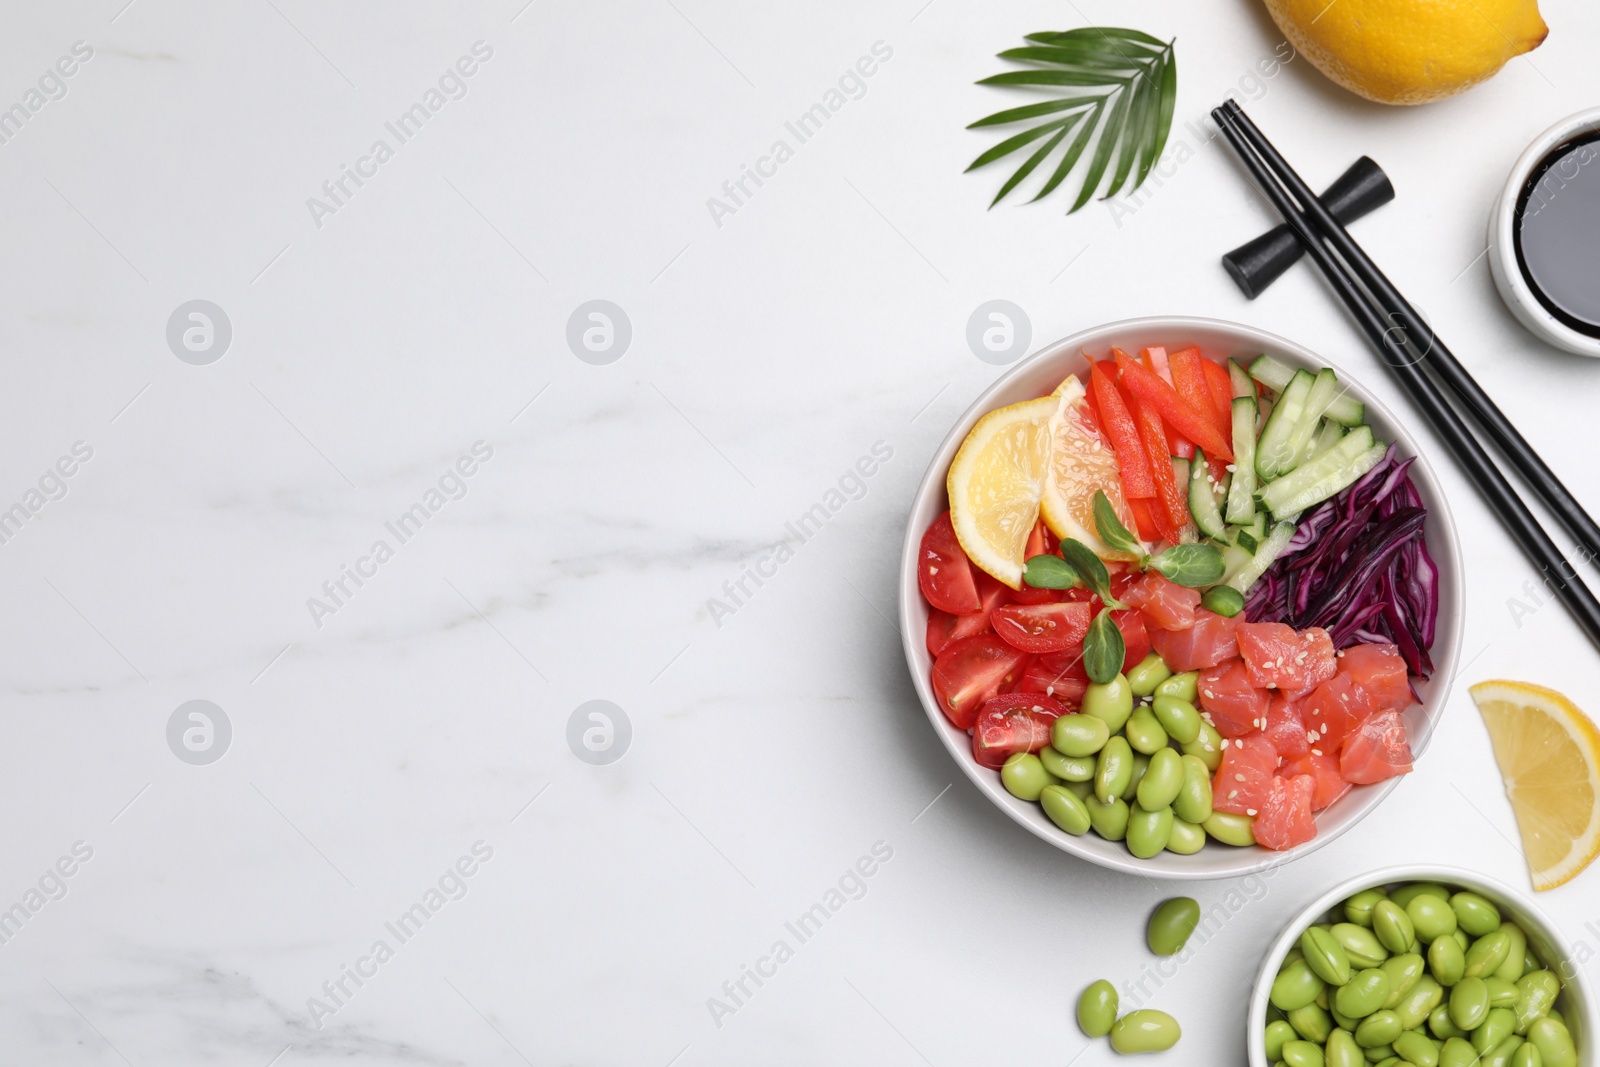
column 1081, row 464
column 1549, row 756
column 995, row 484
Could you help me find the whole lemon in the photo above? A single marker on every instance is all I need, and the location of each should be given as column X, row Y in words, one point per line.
column 1409, row 51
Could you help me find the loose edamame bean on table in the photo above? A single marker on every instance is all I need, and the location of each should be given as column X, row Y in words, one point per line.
column 1145, row 1030
column 1171, row 924
column 1097, row 1008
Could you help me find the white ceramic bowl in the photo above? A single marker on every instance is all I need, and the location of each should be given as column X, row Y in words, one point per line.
column 1548, row 943
column 1508, row 277
column 1046, row 368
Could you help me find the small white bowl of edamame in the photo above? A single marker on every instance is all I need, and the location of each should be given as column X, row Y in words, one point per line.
column 1365, row 919
column 1037, row 375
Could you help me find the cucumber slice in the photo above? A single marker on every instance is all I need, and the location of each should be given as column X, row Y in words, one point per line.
column 1250, row 536
column 1334, row 470
column 1323, row 390
column 1242, row 489
column 1346, row 410
column 1326, row 438
column 1274, row 455
column 1269, row 551
column 1205, row 498
column 1243, row 384
column 1234, row 560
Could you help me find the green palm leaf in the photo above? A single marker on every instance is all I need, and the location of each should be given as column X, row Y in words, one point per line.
column 1121, row 87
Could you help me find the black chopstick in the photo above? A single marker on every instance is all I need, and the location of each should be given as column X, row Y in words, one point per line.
column 1443, row 362
column 1424, row 392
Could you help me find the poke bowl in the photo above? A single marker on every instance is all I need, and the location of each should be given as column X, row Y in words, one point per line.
column 1350, row 532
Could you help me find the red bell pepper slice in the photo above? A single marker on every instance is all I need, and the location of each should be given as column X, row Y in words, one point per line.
column 1171, row 510
column 1155, row 358
column 1144, row 518
column 1194, row 423
column 1124, row 434
column 1221, row 394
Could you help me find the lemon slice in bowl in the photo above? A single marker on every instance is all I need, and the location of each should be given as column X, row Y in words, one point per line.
column 995, row 483
column 1081, row 464
column 1549, row 756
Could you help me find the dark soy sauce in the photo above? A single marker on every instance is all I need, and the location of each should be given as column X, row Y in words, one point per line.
column 1557, row 233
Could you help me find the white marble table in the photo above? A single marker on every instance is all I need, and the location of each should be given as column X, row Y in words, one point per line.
column 559, row 530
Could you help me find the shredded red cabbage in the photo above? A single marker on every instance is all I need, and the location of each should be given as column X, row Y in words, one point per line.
column 1358, row 566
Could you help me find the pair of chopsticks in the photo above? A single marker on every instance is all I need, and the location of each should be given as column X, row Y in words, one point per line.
column 1416, row 355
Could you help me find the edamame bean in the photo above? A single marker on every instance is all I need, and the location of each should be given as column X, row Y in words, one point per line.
column 1527, row 1056
column 1231, row 829
column 1387, row 1061
column 1325, row 955
column 1187, row 837
column 1162, row 780
column 1446, row 960
column 1381, row 1054
column 1079, row 735
column 1379, row 1028
column 1114, row 769
column 1358, row 909
column 1431, row 917
column 1536, row 994
column 1554, row 1043
column 1502, row 1054
column 1296, row 986
column 1488, row 953
column 1475, row 914
column 1065, row 809
column 1184, row 686
column 1457, row 1052
column 1403, row 972
column 1145, row 1030
column 1109, row 703
column 1193, row 803
column 1502, row 994
column 1097, row 1008
column 1312, row 1023
column 1390, row 922
column 1302, row 1054
column 1150, row 672
column 1343, row 1022
column 1278, row 1034
column 1148, row 831
column 1178, row 717
column 1414, row 1007
column 1342, row 1050
column 1081, row 790
column 1469, row 1003
column 1140, row 763
column 1495, row 1028
column 1024, row 776
column 1516, row 963
column 1417, row 1049
column 1171, row 924
column 1109, row 818
column 1207, row 746
column 1360, row 944
column 1067, row 768
column 1557, row 1016
column 1405, row 894
column 1144, row 732
column 1362, row 995
column 1440, row 1026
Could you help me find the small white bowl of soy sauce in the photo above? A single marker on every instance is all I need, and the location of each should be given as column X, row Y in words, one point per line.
column 1544, row 236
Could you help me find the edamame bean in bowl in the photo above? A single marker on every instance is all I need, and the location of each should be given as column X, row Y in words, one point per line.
column 1422, row 966
column 1176, row 595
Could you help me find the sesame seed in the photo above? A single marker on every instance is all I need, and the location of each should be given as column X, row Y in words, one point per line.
column 1250, row 811
column 1233, row 793
column 1238, row 777
column 1316, row 752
